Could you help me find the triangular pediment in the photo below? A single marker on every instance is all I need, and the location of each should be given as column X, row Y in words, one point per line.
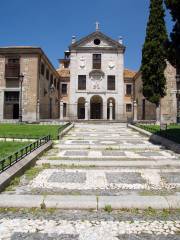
column 91, row 41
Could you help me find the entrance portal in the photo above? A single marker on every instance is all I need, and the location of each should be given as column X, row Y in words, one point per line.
column 96, row 107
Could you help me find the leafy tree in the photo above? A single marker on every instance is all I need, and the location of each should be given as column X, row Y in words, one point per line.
column 154, row 56
column 173, row 45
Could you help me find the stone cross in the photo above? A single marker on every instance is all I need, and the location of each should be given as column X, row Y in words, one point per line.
column 97, row 26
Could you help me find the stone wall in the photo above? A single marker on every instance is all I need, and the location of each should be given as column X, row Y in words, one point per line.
column 168, row 103
column 46, row 96
column 29, row 68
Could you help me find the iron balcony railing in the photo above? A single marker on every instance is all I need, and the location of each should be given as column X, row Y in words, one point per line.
column 21, row 153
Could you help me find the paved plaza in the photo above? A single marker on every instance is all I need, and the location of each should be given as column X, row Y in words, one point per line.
column 96, row 163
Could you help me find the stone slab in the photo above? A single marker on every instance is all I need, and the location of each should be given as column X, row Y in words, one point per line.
column 43, row 236
column 90, row 202
column 140, row 202
column 112, row 163
column 18, row 201
column 71, row 202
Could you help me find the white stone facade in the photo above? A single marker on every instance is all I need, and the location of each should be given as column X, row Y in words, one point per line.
column 112, row 63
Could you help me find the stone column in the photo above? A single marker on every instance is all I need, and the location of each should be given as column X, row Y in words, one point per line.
column 110, row 110
column 104, row 110
column 38, row 111
column 1, row 105
column 86, row 111
column 135, row 111
column 61, row 110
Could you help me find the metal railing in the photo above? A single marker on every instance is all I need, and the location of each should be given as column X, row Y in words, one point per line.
column 7, row 162
column 168, row 132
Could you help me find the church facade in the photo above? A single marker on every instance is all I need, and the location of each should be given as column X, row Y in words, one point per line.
column 92, row 77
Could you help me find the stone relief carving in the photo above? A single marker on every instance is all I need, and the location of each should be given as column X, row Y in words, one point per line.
column 111, row 64
column 82, row 62
column 96, row 82
column 96, row 77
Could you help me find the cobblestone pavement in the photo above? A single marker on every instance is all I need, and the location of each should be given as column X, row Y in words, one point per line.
column 98, row 159
column 83, row 225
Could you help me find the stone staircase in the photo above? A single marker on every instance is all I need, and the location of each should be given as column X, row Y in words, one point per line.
column 93, row 170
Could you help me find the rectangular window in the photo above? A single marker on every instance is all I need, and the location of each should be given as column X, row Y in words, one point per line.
column 55, row 83
column 82, row 82
column 12, row 68
column 51, row 79
column 129, row 107
column 42, row 69
column 64, row 89
column 111, row 85
column 11, row 97
column 64, row 109
column 96, row 61
column 128, row 89
column 13, row 60
column 47, row 74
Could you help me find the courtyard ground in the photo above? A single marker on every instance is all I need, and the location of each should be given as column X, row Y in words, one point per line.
column 107, row 166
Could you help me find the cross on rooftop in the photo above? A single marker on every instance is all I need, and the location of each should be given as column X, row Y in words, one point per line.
column 97, row 26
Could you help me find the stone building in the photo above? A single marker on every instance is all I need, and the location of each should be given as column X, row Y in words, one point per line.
column 147, row 110
column 94, row 83
column 91, row 83
column 40, row 86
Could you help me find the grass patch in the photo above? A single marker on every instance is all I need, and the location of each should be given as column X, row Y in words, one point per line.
column 34, row 171
column 108, row 208
column 29, row 130
column 7, row 148
column 172, row 132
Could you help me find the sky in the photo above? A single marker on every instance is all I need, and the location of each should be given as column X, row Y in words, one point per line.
column 50, row 24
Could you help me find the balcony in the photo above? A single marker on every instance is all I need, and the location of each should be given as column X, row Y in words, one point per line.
column 12, row 70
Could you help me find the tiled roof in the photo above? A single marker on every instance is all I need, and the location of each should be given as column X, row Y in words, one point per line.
column 64, row 72
column 129, row 73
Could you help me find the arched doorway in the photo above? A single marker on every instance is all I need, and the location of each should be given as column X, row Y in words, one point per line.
column 113, row 108
column 81, row 108
column 96, row 107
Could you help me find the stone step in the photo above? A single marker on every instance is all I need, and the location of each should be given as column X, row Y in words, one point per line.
column 122, row 142
column 106, row 163
column 113, row 155
column 107, row 147
column 89, row 202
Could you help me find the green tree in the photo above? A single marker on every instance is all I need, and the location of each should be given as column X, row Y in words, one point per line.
column 173, row 45
column 154, row 56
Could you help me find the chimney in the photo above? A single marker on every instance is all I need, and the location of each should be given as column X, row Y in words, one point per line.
column 73, row 39
column 120, row 40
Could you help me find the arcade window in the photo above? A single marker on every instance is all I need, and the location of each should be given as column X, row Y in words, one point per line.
column 111, row 85
column 82, row 82
column 96, row 61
